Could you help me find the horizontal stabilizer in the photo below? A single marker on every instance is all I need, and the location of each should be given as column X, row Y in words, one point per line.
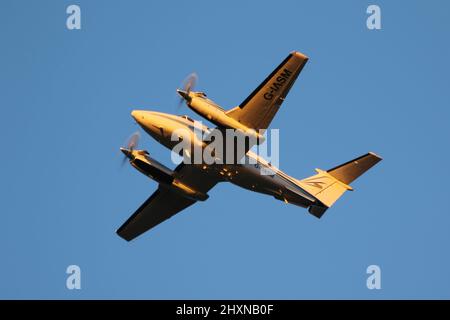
column 351, row 170
column 328, row 186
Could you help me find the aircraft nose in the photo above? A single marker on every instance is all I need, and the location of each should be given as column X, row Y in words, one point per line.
column 145, row 119
column 142, row 117
column 137, row 115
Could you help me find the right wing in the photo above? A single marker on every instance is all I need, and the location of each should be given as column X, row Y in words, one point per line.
column 165, row 203
column 257, row 111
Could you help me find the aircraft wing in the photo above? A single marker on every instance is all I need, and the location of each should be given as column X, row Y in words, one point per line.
column 165, row 202
column 257, row 111
column 195, row 177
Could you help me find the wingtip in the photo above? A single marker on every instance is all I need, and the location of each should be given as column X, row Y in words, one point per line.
column 300, row 55
column 119, row 233
column 375, row 155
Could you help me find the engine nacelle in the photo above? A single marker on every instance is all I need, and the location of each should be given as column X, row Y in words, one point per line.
column 188, row 192
column 152, row 168
column 166, row 177
column 212, row 112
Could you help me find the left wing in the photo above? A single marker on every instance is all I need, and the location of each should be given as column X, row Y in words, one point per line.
column 165, row 202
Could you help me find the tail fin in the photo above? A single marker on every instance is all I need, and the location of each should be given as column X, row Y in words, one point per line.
column 328, row 186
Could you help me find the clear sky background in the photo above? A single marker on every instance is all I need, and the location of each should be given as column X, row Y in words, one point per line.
column 65, row 103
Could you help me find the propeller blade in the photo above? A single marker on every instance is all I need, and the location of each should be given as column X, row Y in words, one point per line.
column 124, row 160
column 180, row 103
column 133, row 141
column 190, row 82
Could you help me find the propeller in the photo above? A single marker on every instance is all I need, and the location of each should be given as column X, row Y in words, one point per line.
column 188, row 84
column 131, row 145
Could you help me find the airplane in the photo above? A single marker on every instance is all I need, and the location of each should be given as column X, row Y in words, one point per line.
column 190, row 182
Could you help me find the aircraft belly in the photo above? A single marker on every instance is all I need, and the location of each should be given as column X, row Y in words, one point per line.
column 250, row 178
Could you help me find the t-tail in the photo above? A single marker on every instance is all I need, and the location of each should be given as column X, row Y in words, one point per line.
column 328, row 186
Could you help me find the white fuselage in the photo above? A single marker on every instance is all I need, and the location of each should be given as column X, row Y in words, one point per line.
column 162, row 126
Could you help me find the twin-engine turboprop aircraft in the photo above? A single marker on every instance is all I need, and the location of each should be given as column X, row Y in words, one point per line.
column 189, row 183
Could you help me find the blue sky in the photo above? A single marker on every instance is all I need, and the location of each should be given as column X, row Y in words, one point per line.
column 65, row 105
